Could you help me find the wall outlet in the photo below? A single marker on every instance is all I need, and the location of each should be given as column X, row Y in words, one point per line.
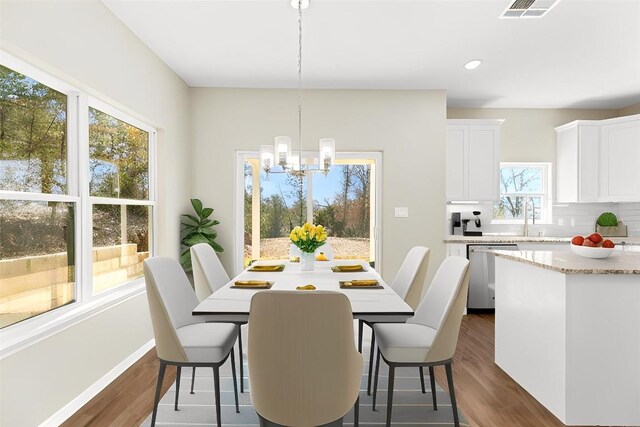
column 402, row 212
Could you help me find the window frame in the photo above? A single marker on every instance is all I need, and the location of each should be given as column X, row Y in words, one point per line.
column 20, row 335
column 238, row 226
column 546, row 196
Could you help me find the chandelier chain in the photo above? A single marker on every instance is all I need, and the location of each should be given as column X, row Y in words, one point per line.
column 300, row 83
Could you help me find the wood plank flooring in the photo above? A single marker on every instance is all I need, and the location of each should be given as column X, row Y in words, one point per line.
column 485, row 394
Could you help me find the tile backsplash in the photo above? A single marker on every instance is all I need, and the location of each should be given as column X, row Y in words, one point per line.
column 568, row 219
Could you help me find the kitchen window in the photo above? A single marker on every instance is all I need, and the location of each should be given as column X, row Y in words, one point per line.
column 524, row 188
column 76, row 203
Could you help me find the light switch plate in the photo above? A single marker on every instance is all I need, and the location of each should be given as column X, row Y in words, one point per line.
column 402, row 212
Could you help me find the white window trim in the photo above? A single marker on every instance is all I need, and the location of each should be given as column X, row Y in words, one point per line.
column 546, row 196
column 18, row 336
column 238, row 226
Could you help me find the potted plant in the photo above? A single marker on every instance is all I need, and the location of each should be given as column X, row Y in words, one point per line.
column 308, row 238
column 196, row 229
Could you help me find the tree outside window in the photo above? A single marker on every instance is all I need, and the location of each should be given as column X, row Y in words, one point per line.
column 520, row 184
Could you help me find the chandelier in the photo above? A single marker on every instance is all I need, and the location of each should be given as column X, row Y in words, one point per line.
column 278, row 158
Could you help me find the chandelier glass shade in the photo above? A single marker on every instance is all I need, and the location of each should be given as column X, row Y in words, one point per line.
column 278, row 158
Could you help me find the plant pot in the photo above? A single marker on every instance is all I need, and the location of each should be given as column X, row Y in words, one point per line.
column 307, row 261
column 619, row 231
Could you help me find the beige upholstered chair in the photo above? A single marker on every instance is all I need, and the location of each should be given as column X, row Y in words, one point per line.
column 181, row 338
column 304, row 369
column 409, row 285
column 429, row 338
column 208, row 276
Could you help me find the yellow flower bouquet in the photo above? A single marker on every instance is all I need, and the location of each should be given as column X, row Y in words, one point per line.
column 309, row 237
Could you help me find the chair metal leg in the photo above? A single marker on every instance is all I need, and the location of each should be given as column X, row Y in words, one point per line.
column 422, row 380
column 356, row 413
column 163, row 368
column 216, row 386
column 179, row 374
column 375, row 381
column 360, row 328
column 433, row 388
column 373, row 345
column 193, row 379
column 452, row 393
column 241, row 359
column 390, row 394
column 235, row 379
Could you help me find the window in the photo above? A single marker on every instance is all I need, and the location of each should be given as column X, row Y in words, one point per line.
column 343, row 200
column 76, row 198
column 524, row 184
column 119, row 190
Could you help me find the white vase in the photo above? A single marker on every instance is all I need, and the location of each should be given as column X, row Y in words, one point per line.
column 307, row 261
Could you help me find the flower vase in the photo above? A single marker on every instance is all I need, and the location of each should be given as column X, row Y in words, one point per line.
column 307, row 261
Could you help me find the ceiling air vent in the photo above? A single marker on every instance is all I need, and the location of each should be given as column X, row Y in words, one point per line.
column 529, row 8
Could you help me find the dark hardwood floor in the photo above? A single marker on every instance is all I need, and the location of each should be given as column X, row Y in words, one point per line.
column 485, row 394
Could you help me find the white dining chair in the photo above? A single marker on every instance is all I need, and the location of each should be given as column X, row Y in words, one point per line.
column 208, row 276
column 208, row 273
column 304, row 368
column 409, row 285
column 182, row 339
column 429, row 338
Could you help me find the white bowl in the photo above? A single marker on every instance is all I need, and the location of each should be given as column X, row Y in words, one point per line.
column 591, row 252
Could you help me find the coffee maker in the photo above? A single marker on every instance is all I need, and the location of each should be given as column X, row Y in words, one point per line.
column 457, row 222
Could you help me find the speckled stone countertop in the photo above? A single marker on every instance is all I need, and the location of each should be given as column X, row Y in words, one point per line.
column 522, row 239
column 619, row 262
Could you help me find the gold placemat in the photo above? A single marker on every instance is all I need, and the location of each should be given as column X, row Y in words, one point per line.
column 269, row 268
column 360, row 284
column 252, row 284
column 347, row 268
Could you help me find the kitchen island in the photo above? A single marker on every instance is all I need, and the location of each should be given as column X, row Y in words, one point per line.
column 568, row 331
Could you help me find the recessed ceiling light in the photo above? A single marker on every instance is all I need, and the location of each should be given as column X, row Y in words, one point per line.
column 472, row 65
column 303, row 4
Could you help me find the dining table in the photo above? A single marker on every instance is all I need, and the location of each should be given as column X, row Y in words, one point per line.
column 378, row 303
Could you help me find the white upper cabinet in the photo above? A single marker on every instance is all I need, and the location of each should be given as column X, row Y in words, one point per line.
column 473, row 160
column 598, row 160
column 620, row 160
column 578, row 161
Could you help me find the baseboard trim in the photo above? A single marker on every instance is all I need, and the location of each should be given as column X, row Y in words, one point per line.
column 72, row 407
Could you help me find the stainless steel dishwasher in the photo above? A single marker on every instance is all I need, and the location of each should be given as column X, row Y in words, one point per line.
column 482, row 278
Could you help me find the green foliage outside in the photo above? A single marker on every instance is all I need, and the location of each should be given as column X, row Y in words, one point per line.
column 197, row 229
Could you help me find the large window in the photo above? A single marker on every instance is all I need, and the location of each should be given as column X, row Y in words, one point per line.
column 343, row 200
column 524, row 188
column 76, row 196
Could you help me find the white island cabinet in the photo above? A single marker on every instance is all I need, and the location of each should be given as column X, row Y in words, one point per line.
column 568, row 331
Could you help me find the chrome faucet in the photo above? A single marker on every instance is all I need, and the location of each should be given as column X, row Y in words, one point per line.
column 528, row 200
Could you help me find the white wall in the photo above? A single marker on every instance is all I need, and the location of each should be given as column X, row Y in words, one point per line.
column 407, row 126
column 82, row 43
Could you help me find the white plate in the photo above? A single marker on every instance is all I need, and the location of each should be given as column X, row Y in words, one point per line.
column 590, row 252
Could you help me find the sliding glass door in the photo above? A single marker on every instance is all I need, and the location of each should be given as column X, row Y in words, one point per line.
column 345, row 201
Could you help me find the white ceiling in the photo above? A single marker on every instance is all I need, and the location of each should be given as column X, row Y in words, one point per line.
column 582, row 54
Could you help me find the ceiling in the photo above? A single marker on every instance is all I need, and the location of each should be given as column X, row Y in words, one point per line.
column 582, row 54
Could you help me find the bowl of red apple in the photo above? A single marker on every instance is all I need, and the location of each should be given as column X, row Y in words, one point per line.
column 592, row 246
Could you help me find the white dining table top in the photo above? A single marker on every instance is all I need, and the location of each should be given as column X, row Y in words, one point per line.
column 232, row 304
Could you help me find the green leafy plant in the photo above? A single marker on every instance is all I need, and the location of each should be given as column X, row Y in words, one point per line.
column 607, row 219
column 197, row 229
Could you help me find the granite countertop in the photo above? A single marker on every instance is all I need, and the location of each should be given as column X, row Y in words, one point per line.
column 619, row 262
column 523, row 239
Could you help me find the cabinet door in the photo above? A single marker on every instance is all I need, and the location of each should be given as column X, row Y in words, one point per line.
column 620, row 157
column 567, row 164
column 483, row 167
column 588, row 166
column 455, row 166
